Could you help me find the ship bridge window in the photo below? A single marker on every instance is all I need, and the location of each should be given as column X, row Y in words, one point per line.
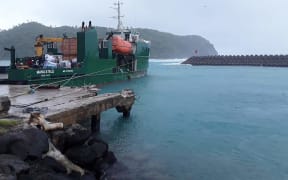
column 103, row 50
column 127, row 36
column 104, row 44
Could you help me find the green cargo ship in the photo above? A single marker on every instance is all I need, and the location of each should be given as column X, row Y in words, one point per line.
column 121, row 55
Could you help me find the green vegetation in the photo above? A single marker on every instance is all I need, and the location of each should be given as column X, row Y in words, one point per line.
column 8, row 122
column 163, row 45
column 166, row 45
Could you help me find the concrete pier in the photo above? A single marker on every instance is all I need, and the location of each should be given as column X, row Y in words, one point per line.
column 66, row 105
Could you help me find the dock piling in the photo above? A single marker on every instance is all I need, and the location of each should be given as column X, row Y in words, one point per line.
column 126, row 114
column 124, row 110
column 95, row 123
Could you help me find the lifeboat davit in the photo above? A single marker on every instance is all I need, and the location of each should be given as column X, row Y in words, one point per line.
column 121, row 46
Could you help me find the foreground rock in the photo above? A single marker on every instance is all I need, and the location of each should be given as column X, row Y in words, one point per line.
column 31, row 154
column 70, row 136
column 28, row 144
column 11, row 166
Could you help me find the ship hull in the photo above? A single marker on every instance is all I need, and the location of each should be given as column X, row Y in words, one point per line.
column 102, row 73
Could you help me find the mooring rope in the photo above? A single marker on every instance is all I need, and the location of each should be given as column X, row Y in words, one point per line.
column 46, row 99
column 80, row 76
column 32, row 90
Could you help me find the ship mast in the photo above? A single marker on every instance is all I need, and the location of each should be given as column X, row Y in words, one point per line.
column 119, row 25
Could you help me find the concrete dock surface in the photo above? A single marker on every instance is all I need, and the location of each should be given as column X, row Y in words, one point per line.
column 67, row 105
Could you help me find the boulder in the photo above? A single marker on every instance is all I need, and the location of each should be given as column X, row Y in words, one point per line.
column 53, row 165
column 41, row 167
column 7, row 177
column 12, row 165
column 118, row 171
column 110, row 158
column 88, row 153
column 29, row 143
column 5, row 141
column 55, row 176
column 50, row 176
column 69, row 137
column 76, row 135
column 102, row 164
column 86, row 176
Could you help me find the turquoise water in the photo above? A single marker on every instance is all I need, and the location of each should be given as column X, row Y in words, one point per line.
column 220, row 123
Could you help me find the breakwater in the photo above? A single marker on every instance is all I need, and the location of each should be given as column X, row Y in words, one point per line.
column 240, row 60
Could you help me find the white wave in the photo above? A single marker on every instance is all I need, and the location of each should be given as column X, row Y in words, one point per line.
column 171, row 64
column 167, row 60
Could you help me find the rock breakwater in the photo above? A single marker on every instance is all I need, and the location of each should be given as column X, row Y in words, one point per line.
column 240, row 60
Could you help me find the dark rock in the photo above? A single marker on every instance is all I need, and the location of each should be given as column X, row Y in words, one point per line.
column 20, row 148
column 57, row 176
column 95, row 138
column 53, row 164
column 110, row 158
column 88, row 153
column 24, row 177
column 99, row 149
column 52, row 176
column 47, row 166
column 69, row 137
column 29, row 143
column 81, row 155
column 58, row 139
column 7, row 177
column 102, row 164
column 4, row 143
column 12, row 165
column 6, row 169
column 76, row 135
column 119, row 171
column 86, row 176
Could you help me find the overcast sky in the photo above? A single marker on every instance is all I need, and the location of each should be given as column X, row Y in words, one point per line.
column 233, row 26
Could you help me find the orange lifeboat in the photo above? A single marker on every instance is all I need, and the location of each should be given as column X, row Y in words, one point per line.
column 121, row 46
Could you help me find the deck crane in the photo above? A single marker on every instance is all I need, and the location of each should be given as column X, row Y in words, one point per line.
column 51, row 43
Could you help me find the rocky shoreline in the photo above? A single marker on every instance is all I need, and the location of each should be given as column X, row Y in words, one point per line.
column 35, row 147
column 69, row 153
